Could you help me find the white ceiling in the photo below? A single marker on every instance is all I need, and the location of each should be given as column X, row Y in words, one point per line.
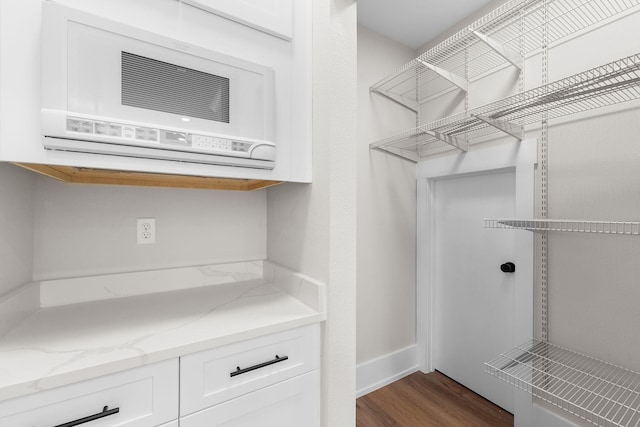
column 414, row 22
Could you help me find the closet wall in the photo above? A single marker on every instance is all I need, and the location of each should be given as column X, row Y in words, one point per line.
column 386, row 210
column 593, row 279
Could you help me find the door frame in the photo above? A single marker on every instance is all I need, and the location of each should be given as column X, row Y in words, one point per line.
column 520, row 157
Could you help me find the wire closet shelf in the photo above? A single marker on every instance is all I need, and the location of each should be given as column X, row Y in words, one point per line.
column 610, row 84
column 598, row 392
column 505, row 35
column 631, row 228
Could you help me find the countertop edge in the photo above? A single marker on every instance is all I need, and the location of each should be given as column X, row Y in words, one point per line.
column 296, row 291
column 66, row 378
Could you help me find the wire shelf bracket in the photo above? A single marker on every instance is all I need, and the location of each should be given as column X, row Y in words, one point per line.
column 454, row 141
column 451, row 77
column 409, row 104
column 502, row 125
column 596, row 391
column 397, row 152
column 417, row 140
column 629, row 228
column 510, row 55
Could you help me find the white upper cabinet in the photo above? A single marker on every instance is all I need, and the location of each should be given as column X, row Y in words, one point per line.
column 271, row 16
column 242, row 30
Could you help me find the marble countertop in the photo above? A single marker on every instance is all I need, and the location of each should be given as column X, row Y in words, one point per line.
column 63, row 344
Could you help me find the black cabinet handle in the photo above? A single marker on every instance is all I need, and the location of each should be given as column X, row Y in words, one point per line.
column 105, row 413
column 239, row 371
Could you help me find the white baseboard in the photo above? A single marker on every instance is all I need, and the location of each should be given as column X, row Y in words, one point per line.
column 384, row 370
column 547, row 416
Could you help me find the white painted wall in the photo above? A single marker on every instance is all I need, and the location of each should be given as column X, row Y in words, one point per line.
column 82, row 230
column 16, row 219
column 593, row 279
column 386, row 262
column 312, row 228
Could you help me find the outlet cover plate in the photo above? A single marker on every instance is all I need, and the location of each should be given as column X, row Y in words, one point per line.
column 146, row 231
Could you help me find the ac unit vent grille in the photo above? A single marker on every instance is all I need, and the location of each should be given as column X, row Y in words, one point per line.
column 161, row 86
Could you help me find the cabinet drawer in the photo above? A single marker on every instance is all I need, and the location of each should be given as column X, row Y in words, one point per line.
column 214, row 376
column 292, row 403
column 144, row 397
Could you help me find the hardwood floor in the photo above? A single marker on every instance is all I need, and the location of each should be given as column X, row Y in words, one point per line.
column 425, row 400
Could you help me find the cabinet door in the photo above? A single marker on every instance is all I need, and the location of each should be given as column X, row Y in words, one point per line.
column 273, row 16
column 291, row 403
column 140, row 397
column 171, row 424
column 224, row 373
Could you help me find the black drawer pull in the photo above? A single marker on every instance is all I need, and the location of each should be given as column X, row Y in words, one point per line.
column 105, row 413
column 239, row 371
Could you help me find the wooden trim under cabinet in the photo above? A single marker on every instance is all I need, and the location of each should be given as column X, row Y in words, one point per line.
column 78, row 175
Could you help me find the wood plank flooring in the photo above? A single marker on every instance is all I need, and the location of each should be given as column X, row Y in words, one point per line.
column 425, row 400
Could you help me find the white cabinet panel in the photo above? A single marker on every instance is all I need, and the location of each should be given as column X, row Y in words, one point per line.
column 171, row 424
column 271, row 16
column 211, row 377
column 291, row 403
column 21, row 101
column 144, row 397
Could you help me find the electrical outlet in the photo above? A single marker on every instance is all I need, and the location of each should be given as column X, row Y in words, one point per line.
column 146, row 231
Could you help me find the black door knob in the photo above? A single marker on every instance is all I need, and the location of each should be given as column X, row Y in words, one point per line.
column 508, row 267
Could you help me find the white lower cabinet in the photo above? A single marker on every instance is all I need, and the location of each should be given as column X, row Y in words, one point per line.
column 291, row 403
column 140, row 397
column 271, row 380
column 214, row 376
column 266, row 381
